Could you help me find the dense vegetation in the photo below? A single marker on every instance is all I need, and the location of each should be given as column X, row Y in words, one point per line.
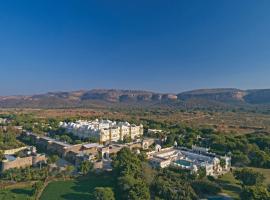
column 8, row 138
column 104, row 193
column 136, row 180
column 246, row 150
column 169, row 185
column 26, row 174
column 252, row 185
column 128, row 166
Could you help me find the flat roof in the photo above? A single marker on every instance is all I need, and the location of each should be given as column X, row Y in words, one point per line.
column 56, row 141
column 92, row 145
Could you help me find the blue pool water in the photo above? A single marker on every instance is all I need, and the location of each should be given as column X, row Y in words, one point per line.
column 183, row 162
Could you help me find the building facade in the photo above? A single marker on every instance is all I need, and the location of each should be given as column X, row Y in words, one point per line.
column 31, row 158
column 103, row 130
column 190, row 159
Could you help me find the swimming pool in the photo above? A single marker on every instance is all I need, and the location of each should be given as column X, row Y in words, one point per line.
column 183, row 162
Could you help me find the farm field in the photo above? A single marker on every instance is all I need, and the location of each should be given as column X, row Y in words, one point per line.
column 78, row 189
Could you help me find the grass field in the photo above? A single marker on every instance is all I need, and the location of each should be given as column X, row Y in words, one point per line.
column 78, row 189
column 16, row 194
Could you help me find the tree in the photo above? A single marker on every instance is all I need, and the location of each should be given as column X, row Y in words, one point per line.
column 255, row 193
column 148, row 173
column 69, row 169
column 8, row 138
column 240, row 159
column 173, row 185
column 104, row 193
column 85, row 167
column 127, row 162
column 130, row 181
column 204, row 187
column 127, row 139
column 53, row 159
column 133, row 188
column 222, row 163
column 36, row 187
column 170, row 140
column 201, row 173
column 248, row 177
column 259, row 158
column 66, row 138
column 1, row 155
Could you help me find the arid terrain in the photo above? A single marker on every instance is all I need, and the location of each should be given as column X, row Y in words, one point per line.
column 235, row 122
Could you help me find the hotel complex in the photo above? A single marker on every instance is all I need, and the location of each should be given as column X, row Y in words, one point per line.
column 103, row 130
column 107, row 131
column 190, row 159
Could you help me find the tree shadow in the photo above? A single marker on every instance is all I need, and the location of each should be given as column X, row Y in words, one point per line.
column 227, row 185
column 72, row 196
column 22, row 191
column 233, row 188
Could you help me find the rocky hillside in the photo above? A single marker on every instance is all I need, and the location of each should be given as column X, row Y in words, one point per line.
column 222, row 95
column 204, row 98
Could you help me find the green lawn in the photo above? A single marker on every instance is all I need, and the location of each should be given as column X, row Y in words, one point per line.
column 16, row 194
column 78, row 189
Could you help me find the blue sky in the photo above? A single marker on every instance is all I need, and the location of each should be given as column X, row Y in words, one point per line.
column 166, row 46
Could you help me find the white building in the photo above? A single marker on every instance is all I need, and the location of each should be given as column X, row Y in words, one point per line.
column 191, row 159
column 103, row 130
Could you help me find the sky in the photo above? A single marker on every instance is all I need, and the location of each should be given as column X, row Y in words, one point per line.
column 156, row 45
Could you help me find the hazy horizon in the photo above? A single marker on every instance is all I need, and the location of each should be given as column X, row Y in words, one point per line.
column 167, row 47
column 134, row 89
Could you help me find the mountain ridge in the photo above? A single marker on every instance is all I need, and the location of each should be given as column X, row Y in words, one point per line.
column 216, row 97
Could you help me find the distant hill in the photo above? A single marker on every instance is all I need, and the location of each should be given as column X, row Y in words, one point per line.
column 226, row 95
column 224, row 98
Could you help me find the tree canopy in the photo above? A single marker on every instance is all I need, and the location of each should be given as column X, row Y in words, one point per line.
column 104, row 193
column 248, row 177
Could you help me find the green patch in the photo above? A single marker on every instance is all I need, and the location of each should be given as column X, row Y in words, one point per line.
column 79, row 189
column 16, row 194
column 230, row 185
